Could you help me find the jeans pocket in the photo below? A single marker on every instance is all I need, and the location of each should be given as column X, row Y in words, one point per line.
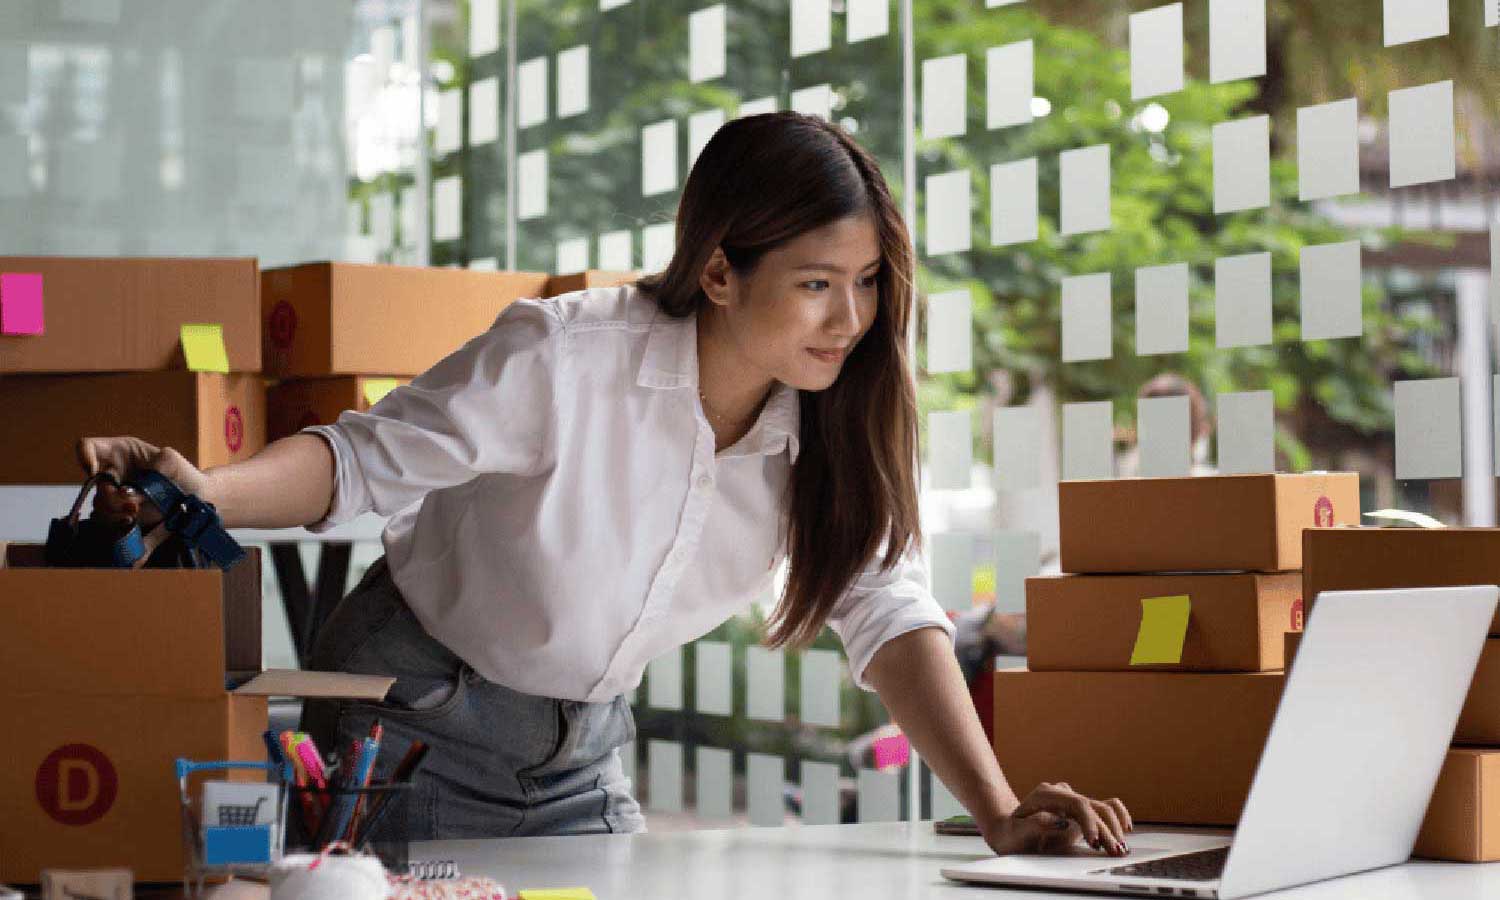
column 422, row 699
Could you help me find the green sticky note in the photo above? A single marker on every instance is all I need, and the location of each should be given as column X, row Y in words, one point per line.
column 203, row 346
column 574, row 893
column 1164, row 622
column 376, row 388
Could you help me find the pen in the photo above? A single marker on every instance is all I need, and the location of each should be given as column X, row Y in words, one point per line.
column 405, row 771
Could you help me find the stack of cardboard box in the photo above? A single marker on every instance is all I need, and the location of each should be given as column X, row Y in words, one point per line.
column 102, row 355
column 1176, row 736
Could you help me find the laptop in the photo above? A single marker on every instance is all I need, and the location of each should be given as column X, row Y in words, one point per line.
column 1343, row 783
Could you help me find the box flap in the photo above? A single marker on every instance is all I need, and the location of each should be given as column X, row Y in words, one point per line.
column 321, row 685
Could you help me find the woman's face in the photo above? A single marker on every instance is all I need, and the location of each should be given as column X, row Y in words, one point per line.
column 815, row 293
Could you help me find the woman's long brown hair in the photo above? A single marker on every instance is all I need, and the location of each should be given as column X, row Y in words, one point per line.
column 760, row 182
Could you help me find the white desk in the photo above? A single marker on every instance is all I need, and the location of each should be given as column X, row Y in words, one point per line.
column 895, row 860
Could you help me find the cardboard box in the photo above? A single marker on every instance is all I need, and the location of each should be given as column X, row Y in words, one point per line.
column 1222, row 522
column 1463, row 819
column 354, row 319
column 578, row 281
column 1361, row 559
column 110, row 675
column 126, row 315
column 1177, row 747
column 293, row 405
column 209, row 418
column 1090, row 622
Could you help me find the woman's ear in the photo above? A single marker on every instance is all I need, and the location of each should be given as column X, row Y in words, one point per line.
column 717, row 280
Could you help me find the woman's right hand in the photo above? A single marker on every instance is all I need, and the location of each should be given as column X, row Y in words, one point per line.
column 122, row 457
column 1054, row 817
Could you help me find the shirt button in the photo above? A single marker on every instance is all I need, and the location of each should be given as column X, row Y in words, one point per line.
column 705, row 482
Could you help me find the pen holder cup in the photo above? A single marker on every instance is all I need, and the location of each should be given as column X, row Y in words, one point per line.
column 379, row 820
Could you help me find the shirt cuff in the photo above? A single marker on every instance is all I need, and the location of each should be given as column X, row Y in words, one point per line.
column 341, row 506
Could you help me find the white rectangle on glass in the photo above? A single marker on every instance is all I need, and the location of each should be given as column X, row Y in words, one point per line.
column 1018, row 448
column 664, row 680
column 952, row 565
column 1247, row 433
column 945, row 91
column 573, row 81
column 1429, row 431
column 484, row 27
column 1156, row 51
column 756, row 107
column 701, row 127
column 706, row 43
column 1161, row 309
column 1084, row 177
column 531, row 92
column 812, row 26
column 447, row 208
column 484, row 111
column 820, row 793
column 615, row 251
column 1087, row 322
column 1421, row 128
column 1008, row 84
column 1415, row 20
column 944, row 804
column 765, row 684
column 1328, row 150
column 867, row 19
column 715, row 783
column 449, row 135
column 948, row 213
column 712, row 662
column 1242, row 300
column 531, row 185
column 1236, row 39
column 1164, row 436
column 1018, row 556
column 1331, row 301
column 383, row 219
column 657, row 243
column 1491, row 19
column 822, row 675
column 765, row 777
column 1088, row 440
column 1242, row 164
column 572, row 255
column 1013, row 202
column 816, row 100
column 950, row 332
column 659, row 157
column 664, row 774
column 951, row 440
column 879, row 796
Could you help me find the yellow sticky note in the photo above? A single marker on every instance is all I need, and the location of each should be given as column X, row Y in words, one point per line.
column 376, row 388
column 203, row 345
column 574, row 893
column 1164, row 623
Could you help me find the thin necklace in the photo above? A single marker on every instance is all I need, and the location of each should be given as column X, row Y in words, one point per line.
column 711, row 414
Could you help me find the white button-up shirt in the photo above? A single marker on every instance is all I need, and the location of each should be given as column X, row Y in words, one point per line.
column 559, row 515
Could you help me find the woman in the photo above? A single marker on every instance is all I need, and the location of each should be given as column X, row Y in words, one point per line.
column 604, row 476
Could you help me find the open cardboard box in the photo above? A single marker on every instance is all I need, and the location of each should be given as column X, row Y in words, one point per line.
column 112, row 674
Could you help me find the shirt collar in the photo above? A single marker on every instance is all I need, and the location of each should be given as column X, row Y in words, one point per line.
column 671, row 361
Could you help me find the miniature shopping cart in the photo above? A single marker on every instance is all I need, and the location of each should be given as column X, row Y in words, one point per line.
column 235, row 840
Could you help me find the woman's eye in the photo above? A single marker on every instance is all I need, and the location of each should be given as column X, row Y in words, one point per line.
column 815, row 285
column 869, row 281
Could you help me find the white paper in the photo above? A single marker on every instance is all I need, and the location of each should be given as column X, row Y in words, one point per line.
column 657, row 244
column 1013, row 202
column 1236, row 39
column 756, row 107
column 664, row 762
column 531, row 185
column 765, row 680
column 1164, row 435
column 944, row 804
column 945, row 89
column 383, row 220
column 952, row 569
column 950, row 332
column 1242, row 164
column 1421, row 127
column 1247, row 433
column 615, row 252
column 820, row 793
column 713, row 669
column 822, row 675
column 1242, row 300
column 814, row 101
column 1008, row 84
column 1416, row 20
column 664, row 680
column 573, row 81
column 261, row 796
column 1161, row 309
column 572, row 255
column 659, row 157
column 765, row 778
column 1018, row 556
column 701, row 128
column 449, row 134
column 1018, row 448
column 484, row 112
column 706, row 43
column 1429, row 434
column 1084, row 174
column 1328, row 150
column 1087, row 323
column 1156, row 51
column 867, row 19
column 1331, row 306
column 879, row 797
column 1088, row 440
column 948, row 211
column 484, row 27
column 264, row 88
column 715, row 782
column 812, row 26
column 447, row 208
column 951, row 440
column 531, row 92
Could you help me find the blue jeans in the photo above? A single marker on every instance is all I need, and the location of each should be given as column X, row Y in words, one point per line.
column 501, row 763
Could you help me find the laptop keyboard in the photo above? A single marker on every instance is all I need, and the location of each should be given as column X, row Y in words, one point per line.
column 1204, row 865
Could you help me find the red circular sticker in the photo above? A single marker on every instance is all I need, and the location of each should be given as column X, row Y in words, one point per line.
column 1323, row 513
column 283, row 324
column 234, row 429
column 76, row 784
column 1297, row 614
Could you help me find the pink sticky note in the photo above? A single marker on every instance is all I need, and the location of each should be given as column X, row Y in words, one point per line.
column 891, row 751
column 20, row 303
